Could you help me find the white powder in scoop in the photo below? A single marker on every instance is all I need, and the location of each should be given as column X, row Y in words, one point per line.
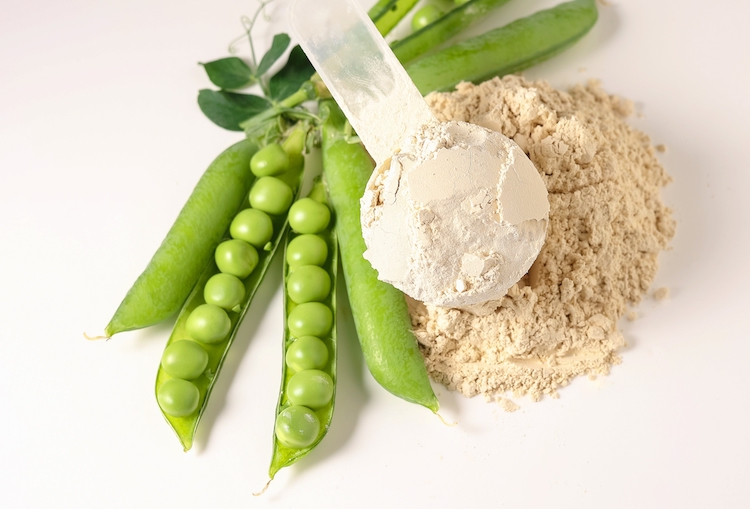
column 607, row 225
column 456, row 217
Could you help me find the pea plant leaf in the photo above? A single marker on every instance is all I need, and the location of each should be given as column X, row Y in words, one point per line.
column 229, row 109
column 278, row 47
column 290, row 78
column 229, row 73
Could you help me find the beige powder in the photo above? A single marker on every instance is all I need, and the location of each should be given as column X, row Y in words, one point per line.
column 607, row 227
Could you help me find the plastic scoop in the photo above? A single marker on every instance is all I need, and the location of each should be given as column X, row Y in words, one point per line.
column 454, row 213
column 361, row 72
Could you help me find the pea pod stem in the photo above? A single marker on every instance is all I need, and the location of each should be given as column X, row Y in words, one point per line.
column 162, row 288
column 380, row 311
column 185, row 427
column 450, row 24
column 506, row 49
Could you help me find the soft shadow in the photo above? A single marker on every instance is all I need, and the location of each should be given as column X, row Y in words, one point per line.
column 601, row 34
column 161, row 331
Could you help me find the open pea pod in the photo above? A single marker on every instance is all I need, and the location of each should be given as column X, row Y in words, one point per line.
column 386, row 14
column 439, row 31
column 306, row 398
column 184, row 387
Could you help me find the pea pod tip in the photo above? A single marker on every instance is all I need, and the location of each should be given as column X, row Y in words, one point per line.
column 96, row 338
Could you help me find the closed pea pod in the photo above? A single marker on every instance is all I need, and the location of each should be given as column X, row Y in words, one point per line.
column 205, row 322
column 380, row 313
column 506, row 49
column 306, row 398
column 162, row 288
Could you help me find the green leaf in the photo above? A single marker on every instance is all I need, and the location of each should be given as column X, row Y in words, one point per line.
column 290, row 78
column 229, row 73
column 278, row 47
column 228, row 109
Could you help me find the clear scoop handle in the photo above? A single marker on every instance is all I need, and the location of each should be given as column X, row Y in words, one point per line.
column 362, row 73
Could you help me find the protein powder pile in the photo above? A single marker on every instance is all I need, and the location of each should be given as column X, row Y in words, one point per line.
column 607, row 225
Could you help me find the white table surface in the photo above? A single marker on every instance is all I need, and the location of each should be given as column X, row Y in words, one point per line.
column 101, row 142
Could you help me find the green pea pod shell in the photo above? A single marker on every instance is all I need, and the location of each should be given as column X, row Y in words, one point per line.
column 450, row 24
column 380, row 312
column 185, row 427
column 506, row 49
column 172, row 272
column 283, row 456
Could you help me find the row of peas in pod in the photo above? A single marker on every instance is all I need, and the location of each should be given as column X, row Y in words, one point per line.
column 306, row 398
column 212, row 314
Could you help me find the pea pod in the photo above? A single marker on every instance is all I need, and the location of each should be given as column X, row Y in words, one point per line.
column 213, row 328
column 380, row 313
column 387, row 13
column 172, row 272
column 507, row 49
column 448, row 25
column 306, row 398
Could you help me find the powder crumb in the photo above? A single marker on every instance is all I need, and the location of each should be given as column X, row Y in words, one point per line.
column 508, row 405
column 607, row 227
column 661, row 293
column 661, row 148
column 631, row 315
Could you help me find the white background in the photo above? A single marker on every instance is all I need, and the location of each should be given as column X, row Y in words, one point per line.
column 101, row 142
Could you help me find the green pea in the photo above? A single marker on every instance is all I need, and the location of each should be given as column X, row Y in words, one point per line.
column 297, row 427
column 311, row 388
column 308, row 283
column 425, row 16
column 309, row 216
column 270, row 160
column 225, row 291
column 236, row 257
column 310, row 319
column 184, row 359
column 253, row 226
column 306, row 250
column 178, row 397
column 271, row 195
column 307, row 352
column 208, row 324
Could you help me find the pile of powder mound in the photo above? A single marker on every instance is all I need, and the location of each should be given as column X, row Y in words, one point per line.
column 607, row 227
